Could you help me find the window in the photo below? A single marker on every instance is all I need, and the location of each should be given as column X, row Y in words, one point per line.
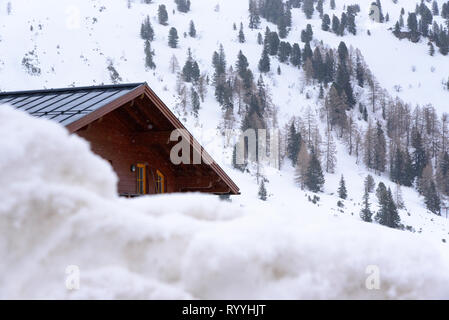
column 160, row 182
column 141, row 179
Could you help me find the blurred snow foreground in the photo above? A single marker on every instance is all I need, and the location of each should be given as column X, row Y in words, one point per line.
column 59, row 208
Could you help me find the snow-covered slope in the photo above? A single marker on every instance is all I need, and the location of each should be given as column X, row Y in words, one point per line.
column 74, row 42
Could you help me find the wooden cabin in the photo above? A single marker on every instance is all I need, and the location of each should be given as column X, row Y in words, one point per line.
column 130, row 127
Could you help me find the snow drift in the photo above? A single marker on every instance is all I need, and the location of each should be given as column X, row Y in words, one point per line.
column 58, row 207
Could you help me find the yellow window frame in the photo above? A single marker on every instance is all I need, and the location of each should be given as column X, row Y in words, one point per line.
column 141, row 178
column 160, row 182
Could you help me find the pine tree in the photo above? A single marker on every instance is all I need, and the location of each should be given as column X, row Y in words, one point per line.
column 309, row 32
column 342, row 192
column 412, row 23
column 360, row 72
column 333, row 4
column 307, row 53
column 435, row 9
column 146, row 30
column 325, row 24
column 330, row 151
column 259, row 39
column 319, row 7
column 294, row 142
column 308, row 8
column 318, row 66
column 242, row 65
column 380, row 149
column 343, row 84
column 245, row 73
column 366, row 213
column 195, row 72
column 432, row 199
column 314, row 177
column 396, row 166
column 351, row 24
column 183, row 5
column 192, row 30
column 285, row 50
column 397, row 28
column 219, row 63
column 187, row 70
column 335, row 25
column 264, row 63
column 336, row 106
column 288, row 15
column 445, row 10
column 388, row 214
column 295, row 57
column 419, row 155
column 408, row 172
column 444, row 42
column 262, row 191
column 149, row 54
column 369, row 183
column 254, row 18
column 343, row 24
column 162, row 15
column 262, row 94
column 329, row 68
column 173, row 38
column 381, row 191
column 282, row 27
column 273, row 43
column 195, row 102
column 219, row 80
column 241, row 34
column 431, row 49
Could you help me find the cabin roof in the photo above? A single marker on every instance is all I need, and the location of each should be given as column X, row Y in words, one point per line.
column 77, row 107
column 66, row 105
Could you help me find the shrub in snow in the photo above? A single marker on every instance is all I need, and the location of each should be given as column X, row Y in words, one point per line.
column 262, row 191
column 31, row 63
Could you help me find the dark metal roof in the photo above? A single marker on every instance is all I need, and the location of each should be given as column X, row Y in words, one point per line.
column 66, row 105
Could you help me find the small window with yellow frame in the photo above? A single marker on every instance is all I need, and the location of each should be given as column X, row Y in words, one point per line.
column 160, row 182
column 141, row 179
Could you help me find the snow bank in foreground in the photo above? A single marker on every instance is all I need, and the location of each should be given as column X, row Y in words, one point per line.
column 58, row 208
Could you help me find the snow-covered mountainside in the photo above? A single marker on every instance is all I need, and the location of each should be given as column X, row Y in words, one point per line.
column 394, row 129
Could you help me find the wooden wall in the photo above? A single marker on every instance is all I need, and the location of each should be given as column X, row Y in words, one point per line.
column 112, row 139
